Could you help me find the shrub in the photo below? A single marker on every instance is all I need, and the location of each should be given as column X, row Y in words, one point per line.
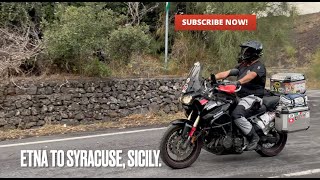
column 127, row 40
column 96, row 68
column 77, row 33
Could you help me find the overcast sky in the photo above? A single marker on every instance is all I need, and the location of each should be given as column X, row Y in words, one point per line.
column 307, row 7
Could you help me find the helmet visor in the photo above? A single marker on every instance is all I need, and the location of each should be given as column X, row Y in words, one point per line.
column 246, row 53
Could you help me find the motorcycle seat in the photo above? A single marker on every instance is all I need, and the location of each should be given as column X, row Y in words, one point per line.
column 254, row 112
column 271, row 101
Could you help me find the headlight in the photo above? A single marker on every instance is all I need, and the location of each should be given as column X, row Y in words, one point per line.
column 186, row 99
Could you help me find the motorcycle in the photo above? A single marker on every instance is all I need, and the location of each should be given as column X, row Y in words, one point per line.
column 208, row 105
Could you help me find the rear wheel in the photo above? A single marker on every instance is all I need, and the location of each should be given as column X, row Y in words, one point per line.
column 273, row 149
column 172, row 152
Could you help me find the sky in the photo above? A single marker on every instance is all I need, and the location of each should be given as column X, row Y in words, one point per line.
column 307, row 7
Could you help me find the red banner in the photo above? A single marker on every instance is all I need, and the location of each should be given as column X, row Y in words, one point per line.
column 207, row 22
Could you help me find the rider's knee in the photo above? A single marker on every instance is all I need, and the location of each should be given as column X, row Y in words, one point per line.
column 238, row 112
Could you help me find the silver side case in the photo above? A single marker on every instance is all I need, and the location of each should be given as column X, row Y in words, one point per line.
column 292, row 119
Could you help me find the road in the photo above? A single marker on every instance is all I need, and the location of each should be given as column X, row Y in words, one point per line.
column 300, row 158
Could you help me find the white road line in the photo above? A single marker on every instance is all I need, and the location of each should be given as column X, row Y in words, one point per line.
column 81, row 137
column 301, row 173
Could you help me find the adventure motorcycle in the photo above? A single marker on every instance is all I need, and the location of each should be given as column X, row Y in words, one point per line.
column 208, row 105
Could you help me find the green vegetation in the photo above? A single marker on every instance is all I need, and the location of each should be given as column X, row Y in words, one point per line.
column 109, row 39
column 128, row 40
column 71, row 39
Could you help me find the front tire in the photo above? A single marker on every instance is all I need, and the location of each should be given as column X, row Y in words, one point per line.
column 276, row 148
column 165, row 148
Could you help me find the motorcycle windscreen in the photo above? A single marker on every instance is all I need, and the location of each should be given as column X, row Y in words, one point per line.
column 192, row 83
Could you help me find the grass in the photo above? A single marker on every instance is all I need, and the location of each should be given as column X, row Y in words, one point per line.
column 136, row 120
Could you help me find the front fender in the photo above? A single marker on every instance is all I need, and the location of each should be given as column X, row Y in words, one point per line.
column 181, row 122
column 185, row 123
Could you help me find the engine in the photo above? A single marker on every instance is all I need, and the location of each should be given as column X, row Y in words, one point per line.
column 224, row 144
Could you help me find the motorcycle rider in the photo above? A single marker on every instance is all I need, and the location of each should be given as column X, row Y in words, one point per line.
column 252, row 78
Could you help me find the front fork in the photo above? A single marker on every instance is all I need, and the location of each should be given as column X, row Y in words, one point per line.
column 193, row 129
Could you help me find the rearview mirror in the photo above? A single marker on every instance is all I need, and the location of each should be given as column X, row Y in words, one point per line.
column 234, row 72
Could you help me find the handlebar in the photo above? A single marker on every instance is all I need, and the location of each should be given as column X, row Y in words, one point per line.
column 221, row 83
column 237, row 90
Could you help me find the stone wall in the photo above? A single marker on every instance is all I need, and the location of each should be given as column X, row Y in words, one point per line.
column 33, row 104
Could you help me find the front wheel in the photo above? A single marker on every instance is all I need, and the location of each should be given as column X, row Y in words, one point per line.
column 269, row 150
column 172, row 152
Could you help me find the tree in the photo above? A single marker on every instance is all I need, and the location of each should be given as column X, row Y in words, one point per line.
column 137, row 10
column 15, row 49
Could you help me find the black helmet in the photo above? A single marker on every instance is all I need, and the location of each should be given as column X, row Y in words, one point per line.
column 250, row 51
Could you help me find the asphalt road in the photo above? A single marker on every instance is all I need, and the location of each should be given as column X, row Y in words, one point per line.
column 300, row 158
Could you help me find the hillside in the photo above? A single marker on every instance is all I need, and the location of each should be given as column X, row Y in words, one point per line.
column 306, row 37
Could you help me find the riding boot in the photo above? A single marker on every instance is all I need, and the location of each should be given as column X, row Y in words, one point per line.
column 253, row 139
